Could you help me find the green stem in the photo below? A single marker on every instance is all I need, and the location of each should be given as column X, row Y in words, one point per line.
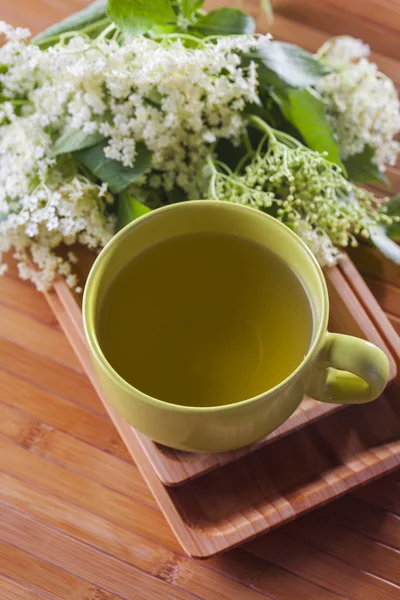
column 265, row 137
column 214, row 173
column 261, row 125
column 47, row 41
column 107, row 30
column 177, row 35
column 88, row 29
column 223, row 166
column 210, row 163
column 242, row 161
column 247, row 142
column 290, row 141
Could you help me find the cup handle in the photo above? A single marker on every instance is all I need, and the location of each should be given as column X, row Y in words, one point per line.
column 348, row 370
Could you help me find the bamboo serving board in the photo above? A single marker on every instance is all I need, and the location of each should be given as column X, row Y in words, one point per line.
column 354, row 311
column 347, row 315
column 383, row 278
column 290, row 472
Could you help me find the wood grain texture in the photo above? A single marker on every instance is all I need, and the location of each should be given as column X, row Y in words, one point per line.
column 54, row 495
column 354, row 310
column 250, row 492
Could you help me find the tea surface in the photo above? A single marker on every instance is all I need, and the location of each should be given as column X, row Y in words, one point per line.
column 205, row 320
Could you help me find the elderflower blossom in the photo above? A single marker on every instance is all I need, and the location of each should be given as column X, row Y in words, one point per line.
column 318, row 242
column 362, row 102
column 66, row 210
column 24, row 149
column 177, row 101
column 344, row 49
column 14, row 34
column 43, row 205
column 304, row 190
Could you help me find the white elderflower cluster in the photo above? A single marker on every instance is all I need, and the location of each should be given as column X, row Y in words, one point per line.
column 43, row 205
column 24, row 147
column 361, row 101
column 344, row 49
column 306, row 190
column 176, row 100
column 318, row 242
column 68, row 209
column 13, row 34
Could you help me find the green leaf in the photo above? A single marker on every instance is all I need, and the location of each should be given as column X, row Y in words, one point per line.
column 393, row 231
column 224, row 21
column 112, row 171
column 393, row 210
column 72, row 140
column 387, row 246
column 189, row 7
column 129, row 209
column 138, row 16
column 89, row 15
column 306, row 111
column 281, row 63
column 3, row 217
column 393, row 206
column 362, row 168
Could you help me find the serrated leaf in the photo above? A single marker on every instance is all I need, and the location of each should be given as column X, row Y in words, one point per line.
column 138, row 16
column 362, row 168
column 281, row 63
column 387, row 246
column 89, row 15
column 224, row 21
column 129, row 209
column 73, row 139
column 306, row 111
column 112, row 172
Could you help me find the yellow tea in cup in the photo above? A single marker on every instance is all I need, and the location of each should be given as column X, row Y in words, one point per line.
column 205, row 319
column 207, row 325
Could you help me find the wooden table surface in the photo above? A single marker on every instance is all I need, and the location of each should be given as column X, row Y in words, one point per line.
column 76, row 519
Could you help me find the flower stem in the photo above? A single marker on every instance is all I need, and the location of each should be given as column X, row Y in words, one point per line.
column 261, row 125
column 177, row 35
column 247, row 143
column 88, row 29
column 107, row 30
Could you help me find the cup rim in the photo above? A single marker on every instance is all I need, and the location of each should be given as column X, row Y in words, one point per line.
column 93, row 282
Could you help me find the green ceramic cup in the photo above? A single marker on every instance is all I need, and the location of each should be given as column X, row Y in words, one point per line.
column 337, row 368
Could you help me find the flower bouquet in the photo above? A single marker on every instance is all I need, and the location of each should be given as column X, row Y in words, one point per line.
column 128, row 106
